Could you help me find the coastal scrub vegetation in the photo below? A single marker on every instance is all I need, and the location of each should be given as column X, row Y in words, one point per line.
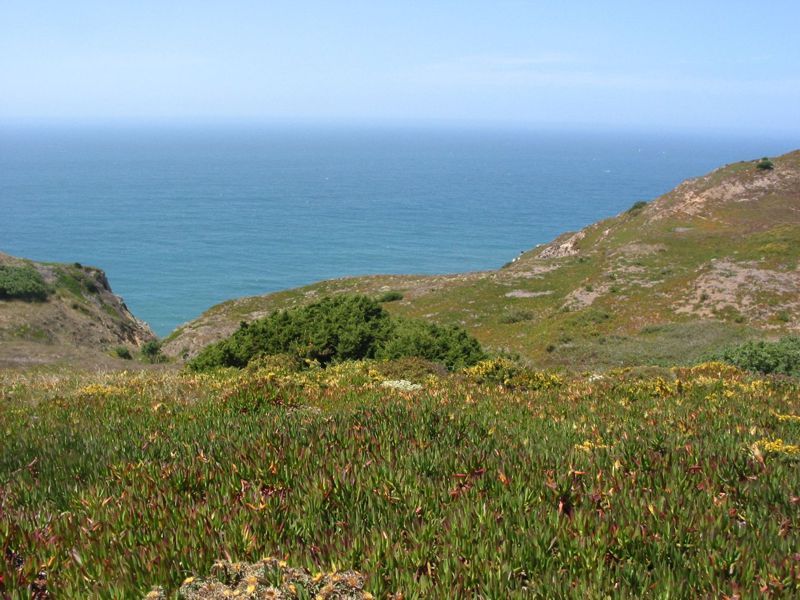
column 151, row 352
column 765, row 164
column 392, row 296
column 122, row 352
column 340, row 328
column 636, row 207
column 782, row 356
column 22, row 283
column 627, row 484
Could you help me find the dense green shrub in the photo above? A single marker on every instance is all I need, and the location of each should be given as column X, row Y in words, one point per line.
column 516, row 316
column 782, row 356
column 637, row 206
column 336, row 329
column 122, row 352
column 765, row 164
column 390, row 297
column 22, row 283
column 447, row 344
column 151, row 352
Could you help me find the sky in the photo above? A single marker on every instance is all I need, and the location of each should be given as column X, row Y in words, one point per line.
column 724, row 65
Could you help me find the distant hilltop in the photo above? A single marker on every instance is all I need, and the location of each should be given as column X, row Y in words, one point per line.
column 62, row 313
column 713, row 262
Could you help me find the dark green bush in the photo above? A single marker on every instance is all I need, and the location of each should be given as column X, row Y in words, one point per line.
column 22, row 283
column 450, row 345
column 336, row 329
column 781, row 357
column 390, row 297
column 637, row 206
column 151, row 352
column 765, row 164
column 122, row 352
column 516, row 316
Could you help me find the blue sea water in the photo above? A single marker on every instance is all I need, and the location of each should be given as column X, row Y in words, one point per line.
column 184, row 217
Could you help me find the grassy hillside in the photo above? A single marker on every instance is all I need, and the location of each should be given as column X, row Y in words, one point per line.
column 678, row 483
column 54, row 312
column 712, row 262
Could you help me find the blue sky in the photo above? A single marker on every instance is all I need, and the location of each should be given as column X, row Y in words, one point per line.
column 659, row 65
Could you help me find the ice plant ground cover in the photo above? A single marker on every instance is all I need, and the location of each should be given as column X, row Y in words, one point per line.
column 680, row 482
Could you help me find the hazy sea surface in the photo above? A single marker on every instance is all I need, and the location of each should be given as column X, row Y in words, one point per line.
column 182, row 218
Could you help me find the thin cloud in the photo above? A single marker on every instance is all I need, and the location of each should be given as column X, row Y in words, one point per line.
column 567, row 71
column 491, row 63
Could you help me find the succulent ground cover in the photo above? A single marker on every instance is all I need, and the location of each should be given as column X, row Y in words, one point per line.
column 492, row 482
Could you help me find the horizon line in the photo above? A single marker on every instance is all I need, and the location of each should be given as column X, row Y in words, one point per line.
column 40, row 122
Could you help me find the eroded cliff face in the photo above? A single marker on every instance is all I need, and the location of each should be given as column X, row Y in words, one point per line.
column 80, row 319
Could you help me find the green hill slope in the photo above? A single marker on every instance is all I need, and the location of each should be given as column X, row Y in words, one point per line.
column 711, row 262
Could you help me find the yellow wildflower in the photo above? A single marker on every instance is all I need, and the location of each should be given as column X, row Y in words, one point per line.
column 778, row 446
column 787, row 418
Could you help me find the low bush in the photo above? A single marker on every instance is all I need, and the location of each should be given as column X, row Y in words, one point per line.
column 122, row 352
column 151, row 352
column 493, row 371
column 340, row 328
column 506, row 372
column 390, row 297
column 765, row 164
column 448, row 344
column 781, row 357
column 516, row 316
column 637, row 206
column 22, row 283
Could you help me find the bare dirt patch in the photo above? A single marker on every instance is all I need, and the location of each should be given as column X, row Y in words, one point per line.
column 527, row 294
column 696, row 198
column 639, row 249
column 524, row 269
column 741, row 286
column 562, row 249
column 582, row 297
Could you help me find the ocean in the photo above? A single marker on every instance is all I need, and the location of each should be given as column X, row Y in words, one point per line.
column 182, row 218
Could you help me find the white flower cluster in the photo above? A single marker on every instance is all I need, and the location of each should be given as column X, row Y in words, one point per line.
column 401, row 384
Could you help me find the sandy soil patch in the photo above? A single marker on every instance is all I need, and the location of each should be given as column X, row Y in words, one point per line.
column 581, row 297
column 527, row 294
column 638, row 249
column 738, row 285
column 690, row 199
column 568, row 247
